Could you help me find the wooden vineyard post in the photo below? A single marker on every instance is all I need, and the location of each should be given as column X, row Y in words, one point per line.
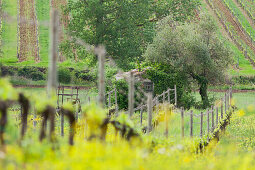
column 164, row 96
column 191, row 123
column 221, row 109
column 76, row 111
column 208, row 123
column 116, row 102
column 175, row 96
column 62, row 123
column 141, row 114
column 101, row 52
column 168, row 96
column 182, row 121
column 109, row 100
column 149, row 104
column 201, row 124
column 217, row 116
column 212, row 110
column 166, row 119
column 131, row 94
column 231, row 95
column 225, row 98
column 52, row 77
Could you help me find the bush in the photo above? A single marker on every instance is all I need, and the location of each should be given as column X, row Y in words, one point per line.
column 244, row 80
column 85, row 75
column 8, row 71
column 64, row 75
column 162, row 81
column 122, row 93
column 31, row 73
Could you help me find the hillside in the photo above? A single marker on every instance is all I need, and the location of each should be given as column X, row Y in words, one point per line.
column 29, row 43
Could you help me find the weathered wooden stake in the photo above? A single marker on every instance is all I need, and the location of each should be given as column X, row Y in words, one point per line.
column 208, row 123
column 201, row 124
column 221, row 109
column 231, row 94
column 225, row 98
column 164, row 97
column 100, row 52
column 182, row 121
column 53, row 56
column 175, row 95
column 191, row 123
column 116, row 102
column 62, row 123
column 166, row 120
column 168, row 96
column 141, row 114
column 217, row 116
column 149, row 109
column 212, row 110
column 131, row 92
column 109, row 100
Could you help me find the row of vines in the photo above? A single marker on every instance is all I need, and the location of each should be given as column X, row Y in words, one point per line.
column 247, row 27
column 233, row 29
column 28, row 45
column 249, row 7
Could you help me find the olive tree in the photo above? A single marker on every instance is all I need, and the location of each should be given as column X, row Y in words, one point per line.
column 193, row 49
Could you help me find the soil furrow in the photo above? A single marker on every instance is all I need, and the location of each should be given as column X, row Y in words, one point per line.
column 221, row 6
column 245, row 14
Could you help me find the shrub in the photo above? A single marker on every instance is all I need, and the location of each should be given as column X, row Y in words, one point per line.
column 31, row 73
column 122, row 93
column 162, row 81
column 64, row 75
column 8, row 71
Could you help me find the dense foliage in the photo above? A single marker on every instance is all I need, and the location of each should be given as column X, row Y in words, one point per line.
column 192, row 49
column 124, row 26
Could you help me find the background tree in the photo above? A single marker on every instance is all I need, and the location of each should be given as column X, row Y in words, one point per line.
column 193, row 49
column 125, row 27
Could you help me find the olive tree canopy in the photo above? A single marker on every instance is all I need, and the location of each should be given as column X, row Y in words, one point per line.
column 191, row 48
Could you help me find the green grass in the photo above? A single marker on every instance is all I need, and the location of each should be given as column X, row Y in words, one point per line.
column 9, row 33
column 43, row 17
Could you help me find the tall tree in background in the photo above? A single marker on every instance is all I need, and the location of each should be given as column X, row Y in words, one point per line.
column 125, row 27
column 193, row 49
